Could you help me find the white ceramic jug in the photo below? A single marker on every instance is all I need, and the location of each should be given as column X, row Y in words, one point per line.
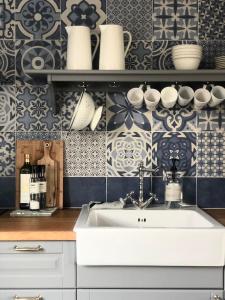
column 112, row 54
column 79, row 55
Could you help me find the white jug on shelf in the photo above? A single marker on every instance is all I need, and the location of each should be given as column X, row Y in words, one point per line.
column 112, row 53
column 79, row 56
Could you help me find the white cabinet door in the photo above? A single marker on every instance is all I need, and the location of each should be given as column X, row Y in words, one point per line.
column 119, row 294
column 38, row 294
column 37, row 265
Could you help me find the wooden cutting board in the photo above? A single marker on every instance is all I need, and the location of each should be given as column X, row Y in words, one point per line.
column 52, row 156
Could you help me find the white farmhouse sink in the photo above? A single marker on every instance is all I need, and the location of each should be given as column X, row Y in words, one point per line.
column 151, row 237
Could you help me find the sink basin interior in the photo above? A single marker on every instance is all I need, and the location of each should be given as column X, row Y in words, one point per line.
column 148, row 218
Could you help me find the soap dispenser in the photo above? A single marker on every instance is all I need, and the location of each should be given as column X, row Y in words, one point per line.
column 173, row 188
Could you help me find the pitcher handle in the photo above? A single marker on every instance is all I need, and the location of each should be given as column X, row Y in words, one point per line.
column 97, row 44
column 129, row 43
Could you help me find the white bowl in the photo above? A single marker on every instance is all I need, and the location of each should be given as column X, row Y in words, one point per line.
column 83, row 113
column 187, row 52
column 187, row 63
column 96, row 118
column 189, row 46
column 186, row 56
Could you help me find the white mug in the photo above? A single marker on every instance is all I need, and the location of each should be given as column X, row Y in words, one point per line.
column 136, row 96
column 185, row 95
column 201, row 98
column 217, row 94
column 169, row 96
column 152, row 98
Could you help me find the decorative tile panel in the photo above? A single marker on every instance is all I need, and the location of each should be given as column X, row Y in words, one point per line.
column 134, row 15
column 85, row 153
column 125, row 150
column 40, row 135
column 121, row 115
column 90, row 13
column 33, row 111
column 37, row 20
column 7, row 28
column 210, row 119
column 7, row 62
column 70, row 99
column 211, row 19
column 211, row 49
column 7, row 154
column 36, row 55
column 211, row 155
column 139, row 56
column 176, row 119
column 175, row 20
column 7, row 108
column 179, row 145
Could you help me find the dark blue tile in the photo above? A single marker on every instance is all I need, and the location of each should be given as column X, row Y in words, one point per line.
column 7, row 192
column 189, row 189
column 119, row 186
column 211, row 192
column 7, row 26
column 82, row 190
column 7, row 63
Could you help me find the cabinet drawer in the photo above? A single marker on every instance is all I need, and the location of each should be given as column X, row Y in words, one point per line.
column 148, row 294
column 37, row 265
column 38, row 294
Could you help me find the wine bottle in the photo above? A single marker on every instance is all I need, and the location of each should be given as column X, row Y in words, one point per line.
column 34, row 190
column 25, row 174
column 42, row 186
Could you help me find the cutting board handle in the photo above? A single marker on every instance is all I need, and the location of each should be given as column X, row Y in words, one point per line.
column 47, row 149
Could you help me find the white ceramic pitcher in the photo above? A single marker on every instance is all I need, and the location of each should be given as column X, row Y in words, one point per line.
column 112, row 54
column 79, row 55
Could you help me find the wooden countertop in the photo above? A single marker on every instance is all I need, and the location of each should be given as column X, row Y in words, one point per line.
column 218, row 214
column 58, row 227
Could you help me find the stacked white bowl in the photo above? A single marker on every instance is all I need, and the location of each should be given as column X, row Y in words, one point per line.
column 187, row 57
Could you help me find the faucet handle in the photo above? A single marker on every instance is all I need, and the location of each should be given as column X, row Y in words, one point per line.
column 154, row 197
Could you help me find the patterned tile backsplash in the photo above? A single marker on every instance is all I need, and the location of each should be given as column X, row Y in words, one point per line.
column 103, row 165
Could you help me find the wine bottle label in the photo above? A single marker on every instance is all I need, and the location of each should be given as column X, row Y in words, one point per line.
column 24, row 188
column 34, row 205
column 42, row 186
column 34, row 188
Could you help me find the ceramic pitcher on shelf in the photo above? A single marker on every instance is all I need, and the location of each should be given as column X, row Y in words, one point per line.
column 79, row 56
column 112, row 53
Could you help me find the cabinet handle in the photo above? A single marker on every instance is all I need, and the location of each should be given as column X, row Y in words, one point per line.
column 29, row 249
column 27, row 298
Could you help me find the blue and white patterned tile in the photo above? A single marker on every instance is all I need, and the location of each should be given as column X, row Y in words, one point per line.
column 90, row 13
column 179, row 145
column 70, row 98
column 7, row 62
column 211, row 19
column 37, row 20
column 85, row 153
column 37, row 55
column 162, row 53
column 211, row 49
column 175, row 119
column 212, row 119
column 122, row 116
column 38, row 135
column 7, row 27
column 7, row 108
column 175, row 20
column 139, row 56
column 125, row 151
column 7, row 154
column 134, row 15
column 33, row 110
column 211, row 146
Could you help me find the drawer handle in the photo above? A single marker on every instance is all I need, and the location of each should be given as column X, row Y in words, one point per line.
column 216, row 297
column 28, row 298
column 29, row 249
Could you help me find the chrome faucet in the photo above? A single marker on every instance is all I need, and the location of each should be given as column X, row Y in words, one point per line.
column 140, row 202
